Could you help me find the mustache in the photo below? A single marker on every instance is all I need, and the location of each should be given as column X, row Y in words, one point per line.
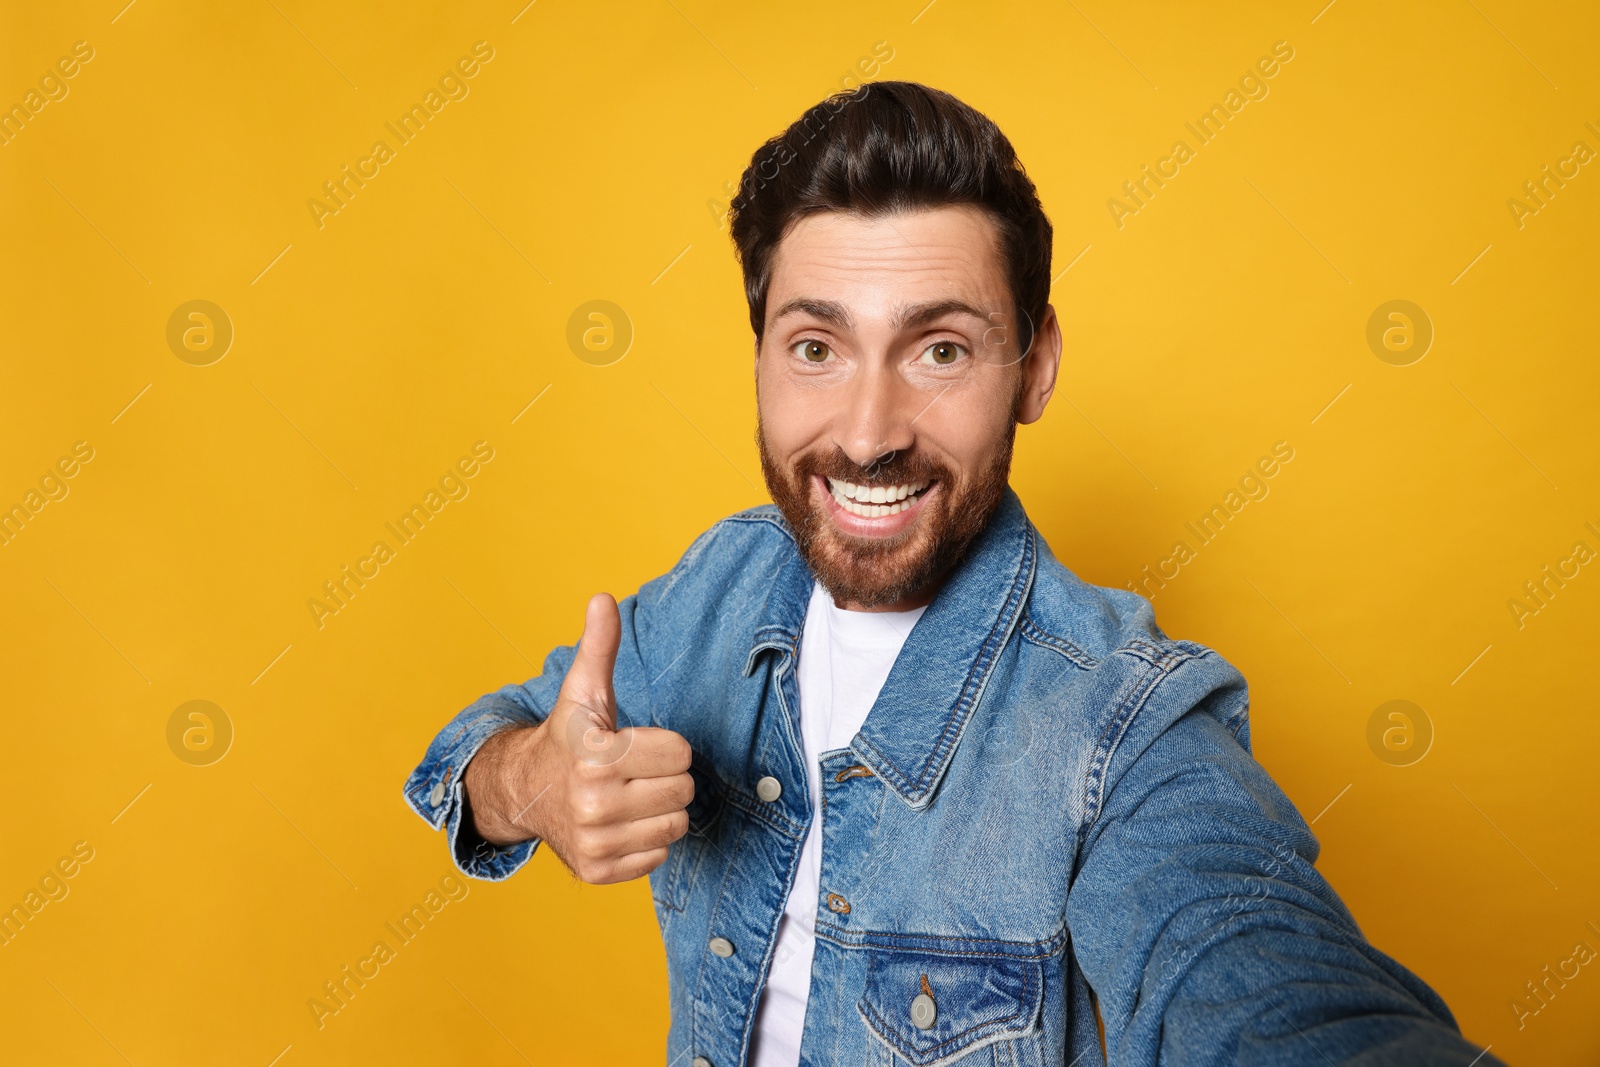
column 896, row 468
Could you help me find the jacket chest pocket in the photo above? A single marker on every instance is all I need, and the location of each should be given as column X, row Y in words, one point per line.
column 932, row 1009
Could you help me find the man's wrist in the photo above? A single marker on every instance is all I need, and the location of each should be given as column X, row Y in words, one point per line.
column 489, row 787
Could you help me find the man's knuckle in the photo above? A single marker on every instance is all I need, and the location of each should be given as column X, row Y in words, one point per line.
column 587, row 769
column 588, row 809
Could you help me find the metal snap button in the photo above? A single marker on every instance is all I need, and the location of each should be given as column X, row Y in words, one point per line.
column 923, row 1011
column 436, row 797
column 769, row 789
column 721, row 946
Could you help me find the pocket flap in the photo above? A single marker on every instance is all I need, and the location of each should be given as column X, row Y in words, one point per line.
column 932, row 1007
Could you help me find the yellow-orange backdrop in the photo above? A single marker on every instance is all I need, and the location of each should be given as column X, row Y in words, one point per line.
column 348, row 355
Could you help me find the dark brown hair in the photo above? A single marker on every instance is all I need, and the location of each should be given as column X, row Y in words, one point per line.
column 881, row 148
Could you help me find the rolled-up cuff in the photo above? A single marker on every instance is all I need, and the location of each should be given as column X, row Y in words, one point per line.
column 436, row 791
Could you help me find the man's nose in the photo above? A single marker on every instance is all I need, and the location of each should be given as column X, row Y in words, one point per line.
column 877, row 415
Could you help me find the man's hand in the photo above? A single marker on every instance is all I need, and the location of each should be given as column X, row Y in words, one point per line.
column 608, row 801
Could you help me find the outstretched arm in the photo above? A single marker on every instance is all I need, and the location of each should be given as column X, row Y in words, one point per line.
column 1209, row 937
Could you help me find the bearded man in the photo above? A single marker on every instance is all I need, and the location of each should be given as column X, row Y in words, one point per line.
column 907, row 790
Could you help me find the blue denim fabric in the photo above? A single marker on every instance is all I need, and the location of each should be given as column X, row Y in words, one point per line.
column 1050, row 803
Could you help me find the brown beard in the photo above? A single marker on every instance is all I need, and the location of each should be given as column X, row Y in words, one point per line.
column 875, row 572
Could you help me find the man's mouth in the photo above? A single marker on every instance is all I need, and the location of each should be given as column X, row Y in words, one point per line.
column 876, row 501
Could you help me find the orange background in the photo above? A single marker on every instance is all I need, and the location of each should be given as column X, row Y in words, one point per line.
column 589, row 160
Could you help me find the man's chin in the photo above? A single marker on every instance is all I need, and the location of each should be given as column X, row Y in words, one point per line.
column 869, row 571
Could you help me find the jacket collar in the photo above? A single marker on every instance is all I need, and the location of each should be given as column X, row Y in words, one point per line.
column 922, row 711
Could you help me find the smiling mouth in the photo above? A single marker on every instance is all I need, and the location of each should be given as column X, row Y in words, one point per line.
column 876, row 501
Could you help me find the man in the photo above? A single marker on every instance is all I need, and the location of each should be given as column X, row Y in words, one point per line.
column 907, row 790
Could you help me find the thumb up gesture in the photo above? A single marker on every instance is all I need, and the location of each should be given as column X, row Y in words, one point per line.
column 608, row 801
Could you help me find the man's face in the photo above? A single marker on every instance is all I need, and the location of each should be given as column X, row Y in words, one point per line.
column 890, row 369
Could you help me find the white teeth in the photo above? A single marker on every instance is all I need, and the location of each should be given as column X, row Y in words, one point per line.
column 873, row 502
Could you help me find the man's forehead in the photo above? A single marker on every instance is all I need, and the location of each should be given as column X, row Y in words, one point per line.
column 888, row 262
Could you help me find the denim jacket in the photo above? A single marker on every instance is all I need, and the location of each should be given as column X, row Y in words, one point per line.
column 1050, row 812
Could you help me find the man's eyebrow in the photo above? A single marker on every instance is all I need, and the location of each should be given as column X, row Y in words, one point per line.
column 912, row 316
column 829, row 311
column 907, row 316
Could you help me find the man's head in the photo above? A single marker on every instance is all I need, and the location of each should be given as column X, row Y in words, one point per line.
column 897, row 266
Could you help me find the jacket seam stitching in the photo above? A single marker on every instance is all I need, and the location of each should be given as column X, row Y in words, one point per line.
column 1117, row 727
column 1060, row 645
column 1049, row 944
column 978, row 676
column 485, row 713
column 761, row 813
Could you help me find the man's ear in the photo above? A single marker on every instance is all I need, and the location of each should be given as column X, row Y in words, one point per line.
column 1039, row 368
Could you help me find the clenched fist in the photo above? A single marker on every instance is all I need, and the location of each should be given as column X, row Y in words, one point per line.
column 608, row 801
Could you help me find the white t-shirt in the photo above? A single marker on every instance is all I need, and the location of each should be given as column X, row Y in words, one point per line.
column 845, row 657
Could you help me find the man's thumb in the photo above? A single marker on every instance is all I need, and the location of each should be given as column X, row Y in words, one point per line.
column 588, row 680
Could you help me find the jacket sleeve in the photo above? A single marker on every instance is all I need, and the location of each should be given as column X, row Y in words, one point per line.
column 1198, row 917
column 435, row 789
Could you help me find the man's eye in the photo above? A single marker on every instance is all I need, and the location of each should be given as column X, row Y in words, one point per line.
column 812, row 351
column 943, row 353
